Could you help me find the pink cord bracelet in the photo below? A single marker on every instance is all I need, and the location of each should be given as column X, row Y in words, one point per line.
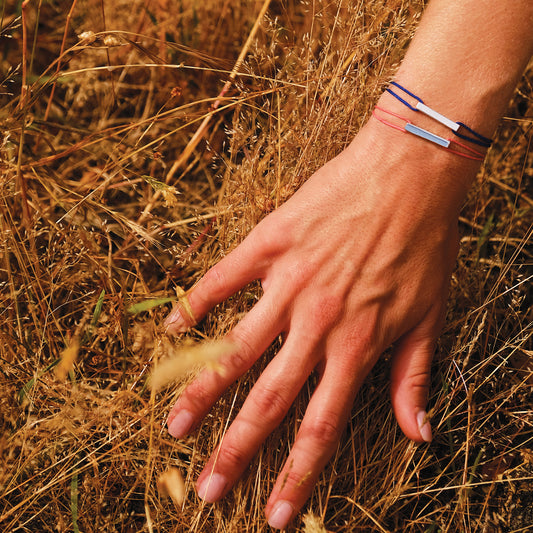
column 409, row 127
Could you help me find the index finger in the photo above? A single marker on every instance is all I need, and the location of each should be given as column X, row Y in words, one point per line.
column 230, row 274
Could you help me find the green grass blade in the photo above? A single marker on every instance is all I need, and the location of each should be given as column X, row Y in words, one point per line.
column 98, row 308
column 28, row 385
column 146, row 305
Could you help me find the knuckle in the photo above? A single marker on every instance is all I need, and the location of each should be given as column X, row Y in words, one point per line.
column 198, row 395
column 418, row 380
column 244, row 354
column 325, row 312
column 304, row 482
column 213, row 282
column 414, row 383
column 232, row 457
column 273, row 404
column 323, row 430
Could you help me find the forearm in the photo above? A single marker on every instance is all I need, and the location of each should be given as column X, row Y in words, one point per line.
column 464, row 61
column 468, row 55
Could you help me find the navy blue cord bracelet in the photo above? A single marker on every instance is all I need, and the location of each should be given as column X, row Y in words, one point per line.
column 454, row 126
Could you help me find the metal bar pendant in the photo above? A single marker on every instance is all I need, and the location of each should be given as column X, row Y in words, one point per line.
column 437, row 116
column 415, row 130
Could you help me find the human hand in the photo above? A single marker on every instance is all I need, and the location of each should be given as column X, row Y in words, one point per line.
column 357, row 260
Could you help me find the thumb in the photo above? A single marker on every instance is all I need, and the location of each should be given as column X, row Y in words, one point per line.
column 410, row 380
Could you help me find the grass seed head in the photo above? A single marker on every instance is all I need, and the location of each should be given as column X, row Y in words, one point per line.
column 171, row 483
column 67, row 359
column 181, row 360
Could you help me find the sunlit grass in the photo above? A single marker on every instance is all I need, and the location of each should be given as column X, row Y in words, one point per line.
column 143, row 140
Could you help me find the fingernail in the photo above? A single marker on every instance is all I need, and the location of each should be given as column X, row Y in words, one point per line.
column 424, row 426
column 180, row 425
column 281, row 514
column 212, row 487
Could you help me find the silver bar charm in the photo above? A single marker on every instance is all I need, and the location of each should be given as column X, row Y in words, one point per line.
column 441, row 141
column 437, row 116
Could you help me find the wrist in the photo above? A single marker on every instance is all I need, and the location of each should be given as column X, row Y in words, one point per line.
column 415, row 166
column 459, row 138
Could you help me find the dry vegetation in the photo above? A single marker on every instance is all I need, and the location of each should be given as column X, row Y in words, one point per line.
column 104, row 202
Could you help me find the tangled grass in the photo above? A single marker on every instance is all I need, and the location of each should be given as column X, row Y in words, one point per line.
column 141, row 141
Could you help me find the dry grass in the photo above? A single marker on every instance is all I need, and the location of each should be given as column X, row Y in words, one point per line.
column 95, row 215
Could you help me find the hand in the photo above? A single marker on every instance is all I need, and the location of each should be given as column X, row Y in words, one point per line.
column 358, row 259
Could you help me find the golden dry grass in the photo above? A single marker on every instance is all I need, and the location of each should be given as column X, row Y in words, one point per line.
column 101, row 209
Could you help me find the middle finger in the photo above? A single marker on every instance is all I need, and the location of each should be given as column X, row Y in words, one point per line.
column 264, row 409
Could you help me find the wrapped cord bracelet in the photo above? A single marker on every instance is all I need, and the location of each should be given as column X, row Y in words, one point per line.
column 409, row 127
column 454, row 126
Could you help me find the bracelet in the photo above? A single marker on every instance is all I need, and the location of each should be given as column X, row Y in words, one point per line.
column 454, row 126
column 409, row 127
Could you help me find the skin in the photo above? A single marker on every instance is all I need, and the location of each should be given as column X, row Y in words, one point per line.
column 359, row 259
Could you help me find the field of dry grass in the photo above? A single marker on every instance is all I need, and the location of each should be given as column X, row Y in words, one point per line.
column 142, row 140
